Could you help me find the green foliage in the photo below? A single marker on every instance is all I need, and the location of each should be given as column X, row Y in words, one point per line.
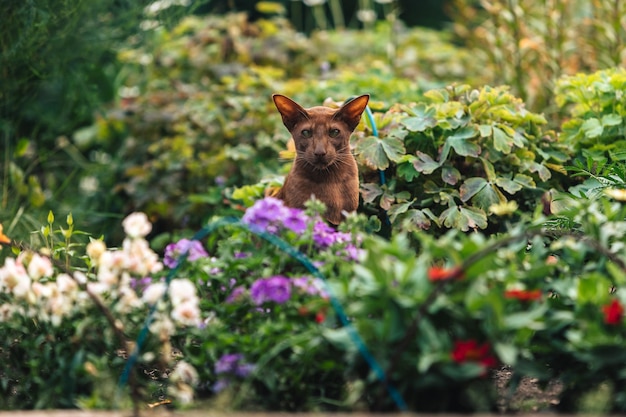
column 459, row 159
column 529, row 45
column 596, row 107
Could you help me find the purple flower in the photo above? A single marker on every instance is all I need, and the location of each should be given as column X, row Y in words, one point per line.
column 296, row 220
column 265, row 213
column 235, row 294
column 173, row 251
column 140, row 284
column 229, row 366
column 271, row 214
column 276, row 289
column 312, row 286
column 323, row 234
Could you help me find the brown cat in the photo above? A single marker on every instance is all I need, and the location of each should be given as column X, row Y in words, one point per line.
column 324, row 165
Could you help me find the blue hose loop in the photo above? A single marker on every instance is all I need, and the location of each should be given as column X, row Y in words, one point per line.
column 381, row 173
column 308, row 264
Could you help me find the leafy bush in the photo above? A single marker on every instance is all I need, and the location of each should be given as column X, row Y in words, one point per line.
column 459, row 159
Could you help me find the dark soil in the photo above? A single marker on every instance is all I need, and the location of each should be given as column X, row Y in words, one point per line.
column 528, row 397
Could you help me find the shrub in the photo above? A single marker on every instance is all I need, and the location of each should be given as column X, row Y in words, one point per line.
column 461, row 160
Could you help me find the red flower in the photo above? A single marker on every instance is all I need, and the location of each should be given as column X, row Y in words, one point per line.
column 470, row 350
column 613, row 312
column 437, row 273
column 320, row 317
column 523, row 295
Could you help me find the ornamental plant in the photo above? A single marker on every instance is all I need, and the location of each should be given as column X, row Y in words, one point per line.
column 458, row 159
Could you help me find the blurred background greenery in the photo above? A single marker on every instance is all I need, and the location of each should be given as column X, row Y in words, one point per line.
column 163, row 106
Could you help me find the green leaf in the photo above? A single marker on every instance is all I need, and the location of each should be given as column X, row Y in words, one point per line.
column 407, row 171
column 471, row 187
column 377, row 152
column 369, row 192
column 450, row 175
column 397, row 209
column 524, row 180
column 506, row 352
column 417, row 218
column 461, row 145
column 501, row 141
column 592, row 128
column 508, row 185
column 423, row 119
column 463, row 218
column 485, row 130
column 611, row 119
column 425, row 164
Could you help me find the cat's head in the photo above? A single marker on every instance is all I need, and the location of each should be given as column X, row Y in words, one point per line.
column 321, row 134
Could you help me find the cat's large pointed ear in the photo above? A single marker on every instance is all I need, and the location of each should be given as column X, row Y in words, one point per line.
column 351, row 111
column 291, row 111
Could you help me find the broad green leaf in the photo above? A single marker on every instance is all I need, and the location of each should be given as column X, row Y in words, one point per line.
column 377, row 152
column 461, row 145
column 506, row 352
column 531, row 319
column 416, row 219
column 397, row 209
column 463, row 218
column 369, row 192
column 476, row 218
column 592, row 128
column 437, row 96
column 450, row 175
column 407, row 171
column 508, row 185
column 485, row 130
column 487, row 197
column 524, row 180
column 425, row 164
column 423, row 119
column 501, row 141
column 611, row 119
column 471, row 187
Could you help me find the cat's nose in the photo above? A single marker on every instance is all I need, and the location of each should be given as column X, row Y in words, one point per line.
column 319, row 150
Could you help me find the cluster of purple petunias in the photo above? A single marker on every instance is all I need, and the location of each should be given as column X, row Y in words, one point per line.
column 174, row 251
column 229, row 366
column 277, row 289
column 270, row 214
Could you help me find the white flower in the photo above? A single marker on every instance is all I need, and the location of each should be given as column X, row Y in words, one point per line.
column 312, row 3
column 39, row 266
column 163, row 328
column 14, row 277
column 153, row 293
column 66, row 284
column 186, row 373
column 137, row 225
column 187, row 313
column 181, row 290
column 95, row 249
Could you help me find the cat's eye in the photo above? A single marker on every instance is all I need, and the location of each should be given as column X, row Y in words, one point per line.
column 333, row 133
column 306, row 133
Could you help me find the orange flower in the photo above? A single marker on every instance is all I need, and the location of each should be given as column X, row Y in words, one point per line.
column 4, row 239
column 437, row 273
column 523, row 295
column 613, row 313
